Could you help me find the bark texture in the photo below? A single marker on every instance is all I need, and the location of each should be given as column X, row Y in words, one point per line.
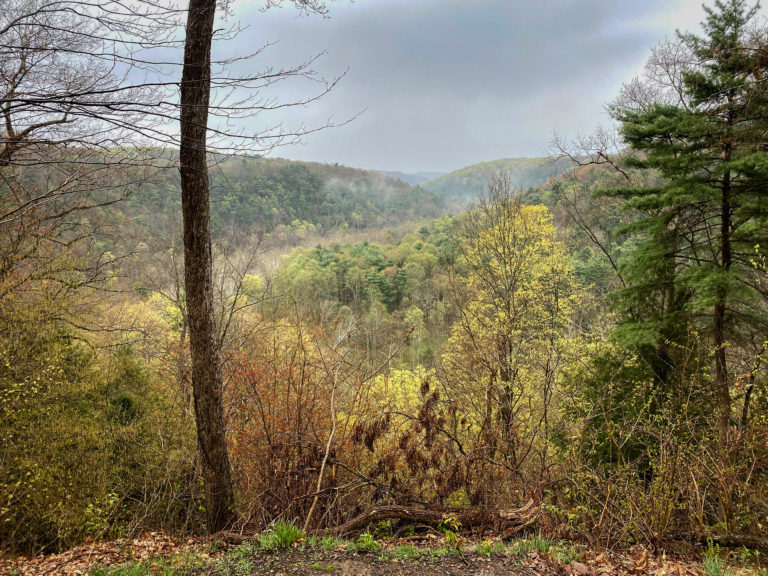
column 510, row 521
column 720, row 338
column 206, row 366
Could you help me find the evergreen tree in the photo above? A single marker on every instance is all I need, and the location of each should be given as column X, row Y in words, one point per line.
column 700, row 121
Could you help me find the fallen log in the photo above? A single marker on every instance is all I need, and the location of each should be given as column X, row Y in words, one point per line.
column 509, row 521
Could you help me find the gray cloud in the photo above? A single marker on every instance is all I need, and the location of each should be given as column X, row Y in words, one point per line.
column 452, row 82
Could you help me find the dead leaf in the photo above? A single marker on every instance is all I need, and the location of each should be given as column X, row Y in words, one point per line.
column 578, row 568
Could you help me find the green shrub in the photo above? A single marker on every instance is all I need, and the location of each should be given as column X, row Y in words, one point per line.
column 89, row 445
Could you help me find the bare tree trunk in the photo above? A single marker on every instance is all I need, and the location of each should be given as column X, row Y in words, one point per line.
column 720, row 341
column 206, row 366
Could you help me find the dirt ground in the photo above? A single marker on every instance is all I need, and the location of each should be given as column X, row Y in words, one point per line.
column 344, row 564
column 156, row 553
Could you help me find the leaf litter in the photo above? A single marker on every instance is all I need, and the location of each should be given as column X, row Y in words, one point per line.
column 156, row 545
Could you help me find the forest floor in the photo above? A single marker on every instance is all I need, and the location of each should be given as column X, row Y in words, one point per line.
column 156, row 554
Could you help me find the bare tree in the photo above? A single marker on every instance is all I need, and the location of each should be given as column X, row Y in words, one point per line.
column 86, row 88
column 67, row 115
column 196, row 86
column 198, row 266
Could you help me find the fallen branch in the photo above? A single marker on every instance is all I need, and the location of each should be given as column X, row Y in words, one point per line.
column 510, row 521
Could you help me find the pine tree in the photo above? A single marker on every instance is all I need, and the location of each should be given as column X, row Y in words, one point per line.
column 701, row 121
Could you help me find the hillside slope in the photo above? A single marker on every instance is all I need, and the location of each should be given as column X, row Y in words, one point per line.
column 463, row 185
column 264, row 193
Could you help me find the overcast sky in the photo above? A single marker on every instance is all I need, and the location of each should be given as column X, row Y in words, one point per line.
column 443, row 84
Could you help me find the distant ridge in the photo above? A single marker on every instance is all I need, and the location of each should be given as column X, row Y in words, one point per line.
column 463, row 185
column 414, row 179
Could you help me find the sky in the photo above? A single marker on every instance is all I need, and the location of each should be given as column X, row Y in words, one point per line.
column 436, row 85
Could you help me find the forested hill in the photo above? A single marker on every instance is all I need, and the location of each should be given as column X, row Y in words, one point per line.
column 414, row 179
column 463, row 185
column 265, row 193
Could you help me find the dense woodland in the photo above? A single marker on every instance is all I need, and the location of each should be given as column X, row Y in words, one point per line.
column 259, row 195
column 588, row 332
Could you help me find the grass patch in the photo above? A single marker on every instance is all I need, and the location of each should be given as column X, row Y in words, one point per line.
column 714, row 565
column 136, row 570
column 487, row 548
column 282, row 534
column 330, row 543
column 565, row 552
column 521, row 547
column 443, row 551
column 178, row 565
column 364, row 543
column 236, row 562
column 539, row 544
column 243, row 552
column 542, row 544
column 406, row 552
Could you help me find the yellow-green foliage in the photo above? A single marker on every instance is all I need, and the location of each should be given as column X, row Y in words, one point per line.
column 400, row 390
column 504, row 358
column 306, row 279
column 84, row 438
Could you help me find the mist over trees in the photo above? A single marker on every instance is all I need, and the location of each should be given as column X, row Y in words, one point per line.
column 326, row 345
